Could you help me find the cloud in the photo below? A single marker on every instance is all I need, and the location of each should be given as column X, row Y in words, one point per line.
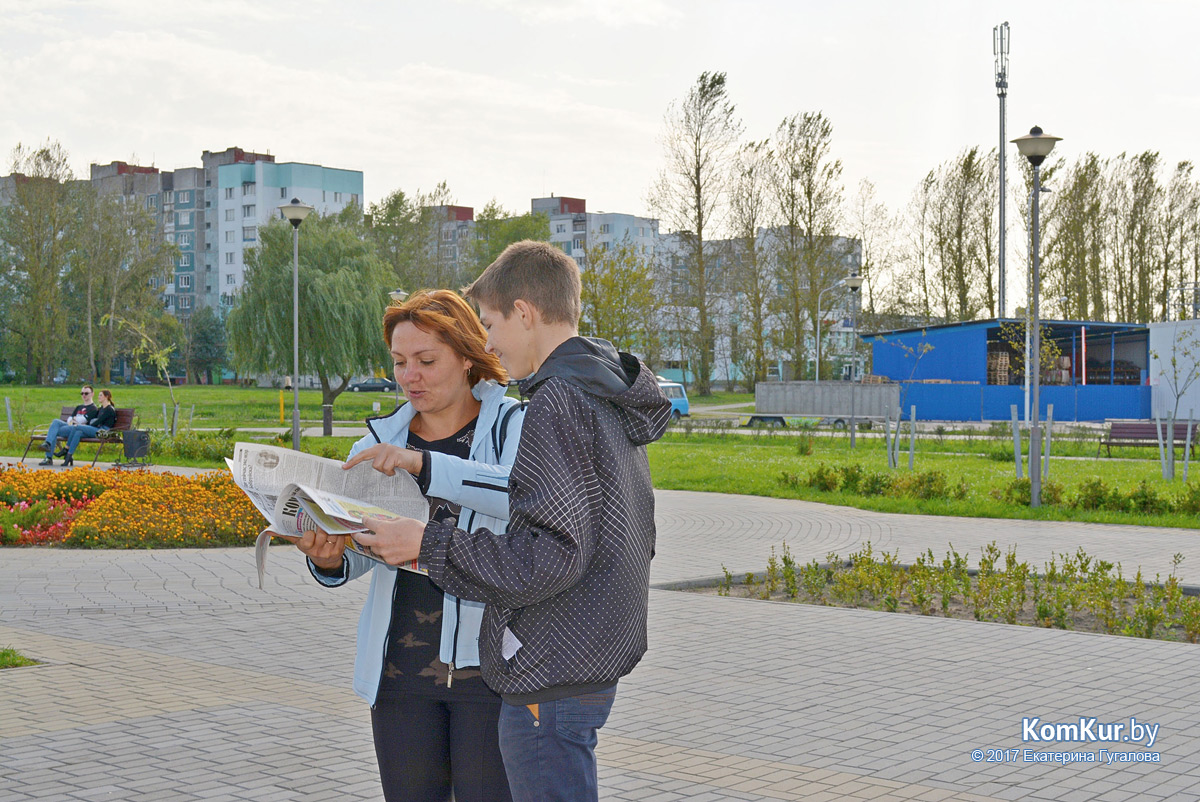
column 610, row 13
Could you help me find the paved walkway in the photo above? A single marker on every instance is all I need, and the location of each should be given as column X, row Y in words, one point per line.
column 167, row 675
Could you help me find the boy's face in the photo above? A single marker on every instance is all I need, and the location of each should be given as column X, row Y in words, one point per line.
column 510, row 338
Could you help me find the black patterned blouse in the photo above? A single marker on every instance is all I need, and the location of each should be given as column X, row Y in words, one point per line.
column 412, row 664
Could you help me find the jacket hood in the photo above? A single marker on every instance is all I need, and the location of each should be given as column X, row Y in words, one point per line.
column 597, row 368
column 385, row 427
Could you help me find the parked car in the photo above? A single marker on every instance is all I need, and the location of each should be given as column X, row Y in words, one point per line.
column 678, row 397
column 373, row 385
column 140, row 380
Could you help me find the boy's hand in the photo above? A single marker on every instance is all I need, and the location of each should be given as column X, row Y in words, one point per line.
column 386, row 458
column 396, row 542
column 323, row 549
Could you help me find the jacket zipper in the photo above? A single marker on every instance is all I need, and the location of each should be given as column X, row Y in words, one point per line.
column 383, row 657
column 457, row 621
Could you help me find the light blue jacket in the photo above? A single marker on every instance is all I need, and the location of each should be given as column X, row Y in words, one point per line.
column 480, row 487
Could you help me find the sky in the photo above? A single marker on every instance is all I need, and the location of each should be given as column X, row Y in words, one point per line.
column 515, row 99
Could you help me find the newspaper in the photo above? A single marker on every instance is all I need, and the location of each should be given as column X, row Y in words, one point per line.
column 296, row 492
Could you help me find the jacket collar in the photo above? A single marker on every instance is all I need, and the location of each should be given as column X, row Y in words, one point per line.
column 386, row 428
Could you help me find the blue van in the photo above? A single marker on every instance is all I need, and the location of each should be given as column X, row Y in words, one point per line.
column 678, row 397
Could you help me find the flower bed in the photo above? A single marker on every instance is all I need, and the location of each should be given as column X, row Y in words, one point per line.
column 87, row 508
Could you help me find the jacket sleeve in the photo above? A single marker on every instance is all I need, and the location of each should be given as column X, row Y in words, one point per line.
column 477, row 485
column 353, row 566
column 554, row 496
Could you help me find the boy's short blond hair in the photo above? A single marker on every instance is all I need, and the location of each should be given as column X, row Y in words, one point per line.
column 537, row 272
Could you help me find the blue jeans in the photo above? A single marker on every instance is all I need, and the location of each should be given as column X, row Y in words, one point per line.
column 57, row 427
column 551, row 756
column 76, row 433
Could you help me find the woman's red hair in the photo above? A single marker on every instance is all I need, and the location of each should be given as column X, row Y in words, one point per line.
column 444, row 314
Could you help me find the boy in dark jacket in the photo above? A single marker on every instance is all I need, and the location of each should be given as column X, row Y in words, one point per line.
column 567, row 586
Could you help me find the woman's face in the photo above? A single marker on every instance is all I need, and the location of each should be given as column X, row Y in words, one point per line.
column 432, row 376
column 104, row 399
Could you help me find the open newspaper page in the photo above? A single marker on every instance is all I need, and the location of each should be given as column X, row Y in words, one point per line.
column 264, row 472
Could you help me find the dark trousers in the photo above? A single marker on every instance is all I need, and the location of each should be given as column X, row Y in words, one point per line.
column 550, row 748
column 427, row 748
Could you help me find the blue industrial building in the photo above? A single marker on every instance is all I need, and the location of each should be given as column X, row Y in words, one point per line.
column 970, row 372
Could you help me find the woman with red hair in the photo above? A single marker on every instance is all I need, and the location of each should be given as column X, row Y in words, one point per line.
column 434, row 720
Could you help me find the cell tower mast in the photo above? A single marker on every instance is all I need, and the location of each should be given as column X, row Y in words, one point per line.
column 1000, row 50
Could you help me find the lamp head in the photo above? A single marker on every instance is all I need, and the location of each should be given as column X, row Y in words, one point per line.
column 1036, row 145
column 854, row 282
column 295, row 212
column 397, row 295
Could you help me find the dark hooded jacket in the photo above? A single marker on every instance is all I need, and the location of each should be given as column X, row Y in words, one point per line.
column 569, row 580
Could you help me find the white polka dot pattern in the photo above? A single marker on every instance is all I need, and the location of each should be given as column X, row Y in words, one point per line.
column 570, row 578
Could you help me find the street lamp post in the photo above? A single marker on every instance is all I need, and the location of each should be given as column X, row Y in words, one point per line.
column 1035, row 146
column 853, row 281
column 294, row 213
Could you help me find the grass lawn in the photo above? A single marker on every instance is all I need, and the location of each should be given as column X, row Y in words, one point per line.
column 216, row 406
column 716, row 399
column 753, row 466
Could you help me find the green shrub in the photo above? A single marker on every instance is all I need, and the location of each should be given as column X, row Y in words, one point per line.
column 1188, row 499
column 925, row 485
column 875, row 483
column 1145, row 499
column 1094, row 494
column 852, row 476
column 824, row 478
column 804, row 445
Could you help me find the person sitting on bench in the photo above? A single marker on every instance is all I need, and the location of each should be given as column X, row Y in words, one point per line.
column 79, row 415
column 98, row 420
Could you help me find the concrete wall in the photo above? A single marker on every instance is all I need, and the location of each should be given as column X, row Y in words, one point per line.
column 825, row 398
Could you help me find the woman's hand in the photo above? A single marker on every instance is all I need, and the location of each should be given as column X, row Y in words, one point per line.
column 395, row 542
column 386, row 458
column 325, row 550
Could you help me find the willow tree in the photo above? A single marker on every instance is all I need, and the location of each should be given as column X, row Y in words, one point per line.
column 343, row 293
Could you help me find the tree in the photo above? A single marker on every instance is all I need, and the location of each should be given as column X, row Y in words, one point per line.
column 749, row 212
column 619, row 303
column 118, row 261
column 808, row 196
column 700, row 133
column 156, row 341
column 407, row 231
column 343, row 294
column 36, row 229
column 956, row 236
column 1073, row 267
column 496, row 229
column 205, row 338
column 873, row 227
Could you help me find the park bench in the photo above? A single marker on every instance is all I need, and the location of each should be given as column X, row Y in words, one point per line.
column 1144, row 434
column 115, row 435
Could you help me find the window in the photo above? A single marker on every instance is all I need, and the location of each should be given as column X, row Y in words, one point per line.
column 168, row 197
column 560, row 228
column 185, row 260
column 229, row 215
column 248, row 210
column 229, row 257
column 184, row 240
column 354, row 198
column 322, row 196
column 283, row 192
column 185, row 219
column 228, row 193
column 230, row 278
column 151, row 201
column 606, row 229
column 154, row 283
column 337, row 197
column 248, row 188
column 249, row 233
column 183, row 196
column 184, row 301
column 183, row 282
column 229, row 235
